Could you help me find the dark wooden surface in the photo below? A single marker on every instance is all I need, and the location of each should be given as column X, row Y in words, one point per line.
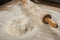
column 50, row 5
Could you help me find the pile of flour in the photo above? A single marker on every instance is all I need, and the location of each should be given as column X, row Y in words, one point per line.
column 15, row 25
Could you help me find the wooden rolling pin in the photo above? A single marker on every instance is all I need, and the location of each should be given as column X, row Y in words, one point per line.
column 47, row 20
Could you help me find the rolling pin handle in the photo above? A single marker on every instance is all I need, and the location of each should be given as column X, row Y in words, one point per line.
column 47, row 20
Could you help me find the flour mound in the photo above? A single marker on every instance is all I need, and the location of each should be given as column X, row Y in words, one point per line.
column 19, row 27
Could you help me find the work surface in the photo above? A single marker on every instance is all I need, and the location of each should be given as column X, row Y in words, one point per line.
column 15, row 25
column 50, row 6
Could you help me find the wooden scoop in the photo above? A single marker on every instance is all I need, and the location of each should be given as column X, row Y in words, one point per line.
column 47, row 20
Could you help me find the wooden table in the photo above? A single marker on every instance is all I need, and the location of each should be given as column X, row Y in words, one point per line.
column 50, row 6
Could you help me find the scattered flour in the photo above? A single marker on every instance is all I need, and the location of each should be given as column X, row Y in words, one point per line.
column 16, row 25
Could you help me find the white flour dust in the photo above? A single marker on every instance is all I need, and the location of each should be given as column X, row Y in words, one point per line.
column 16, row 25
